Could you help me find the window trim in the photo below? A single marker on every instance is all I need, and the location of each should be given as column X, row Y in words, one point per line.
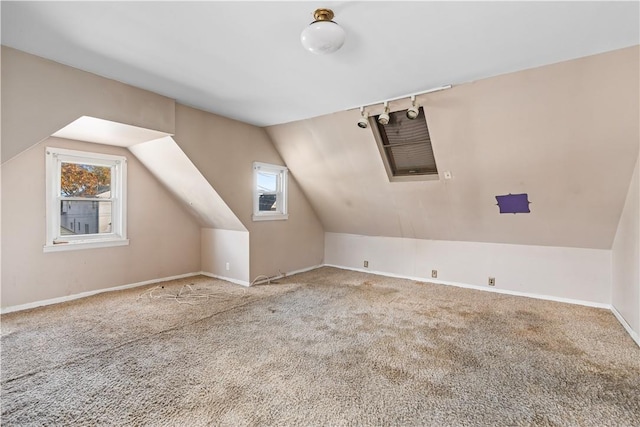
column 281, row 193
column 118, row 236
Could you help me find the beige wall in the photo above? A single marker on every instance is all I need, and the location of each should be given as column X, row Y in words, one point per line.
column 222, row 248
column 581, row 275
column 626, row 258
column 40, row 97
column 224, row 151
column 567, row 134
column 164, row 237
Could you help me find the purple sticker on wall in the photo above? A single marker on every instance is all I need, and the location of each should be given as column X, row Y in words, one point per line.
column 513, row 203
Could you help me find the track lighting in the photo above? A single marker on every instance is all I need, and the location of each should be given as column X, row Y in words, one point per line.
column 363, row 123
column 413, row 112
column 383, row 118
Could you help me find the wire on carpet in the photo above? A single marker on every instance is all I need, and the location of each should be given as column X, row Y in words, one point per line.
column 262, row 279
column 187, row 294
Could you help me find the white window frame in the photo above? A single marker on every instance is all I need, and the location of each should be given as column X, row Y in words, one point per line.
column 281, row 192
column 118, row 237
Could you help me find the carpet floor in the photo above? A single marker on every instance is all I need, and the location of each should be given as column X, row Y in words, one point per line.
column 326, row 347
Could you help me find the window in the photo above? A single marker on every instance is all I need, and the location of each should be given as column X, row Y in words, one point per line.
column 86, row 200
column 269, row 192
column 405, row 146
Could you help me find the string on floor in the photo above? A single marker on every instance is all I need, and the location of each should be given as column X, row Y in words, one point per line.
column 188, row 294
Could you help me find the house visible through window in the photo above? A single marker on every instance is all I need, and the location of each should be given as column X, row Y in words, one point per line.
column 269, row 192
column 405, row 146
column 86, row 200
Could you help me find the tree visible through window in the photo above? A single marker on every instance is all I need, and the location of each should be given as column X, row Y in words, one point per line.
column 92, row 183
column 86, row 198
column 78, row 179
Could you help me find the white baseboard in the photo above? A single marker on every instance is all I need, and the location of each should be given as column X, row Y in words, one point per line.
column 478, row 288
column 634, row 335
column 58, row 300
column 287, row 274
column 228, row 279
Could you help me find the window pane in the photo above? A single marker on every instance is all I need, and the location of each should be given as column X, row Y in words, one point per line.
column 84, row 217
column 269, row 192
column 267, row 182
column 267, row 202
column 79, row 180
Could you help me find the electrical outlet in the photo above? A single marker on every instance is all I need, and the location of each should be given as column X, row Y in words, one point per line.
column 492, row 281
column 434, row 273
column 227, row 266
column 366, row 264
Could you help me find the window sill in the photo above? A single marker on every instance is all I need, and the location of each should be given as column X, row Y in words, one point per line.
column 74, row 246
column 272, row 217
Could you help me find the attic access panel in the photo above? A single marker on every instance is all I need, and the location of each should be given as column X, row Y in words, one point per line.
column 405, row 145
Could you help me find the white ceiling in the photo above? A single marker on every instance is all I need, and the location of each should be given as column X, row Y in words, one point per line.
column 244, row 59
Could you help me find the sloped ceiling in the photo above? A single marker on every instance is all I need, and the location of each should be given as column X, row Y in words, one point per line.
column 244, row 60
column 566, row 134
column 160, row 154
column 168, row 163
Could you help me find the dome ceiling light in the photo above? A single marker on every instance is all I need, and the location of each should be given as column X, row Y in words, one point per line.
column 323, row 35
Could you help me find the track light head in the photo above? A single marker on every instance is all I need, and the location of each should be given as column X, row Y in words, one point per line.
column 383, row 118
column 363, row 123
column 414, row 110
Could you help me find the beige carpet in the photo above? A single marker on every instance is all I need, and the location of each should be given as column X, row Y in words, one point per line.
column 328, row 347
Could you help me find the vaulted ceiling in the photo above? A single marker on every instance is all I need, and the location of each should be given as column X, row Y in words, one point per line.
column 544, row 101
column 566, row 134
column 244, row 59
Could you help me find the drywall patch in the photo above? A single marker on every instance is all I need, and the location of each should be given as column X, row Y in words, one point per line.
column 513, row 203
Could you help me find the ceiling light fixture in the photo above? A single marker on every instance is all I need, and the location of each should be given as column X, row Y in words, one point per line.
column 414, row 110
column 383, row 118
column 363, row 123
column 323, row 35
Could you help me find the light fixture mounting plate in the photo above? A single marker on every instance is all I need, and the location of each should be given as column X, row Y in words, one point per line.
column 323, row 14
